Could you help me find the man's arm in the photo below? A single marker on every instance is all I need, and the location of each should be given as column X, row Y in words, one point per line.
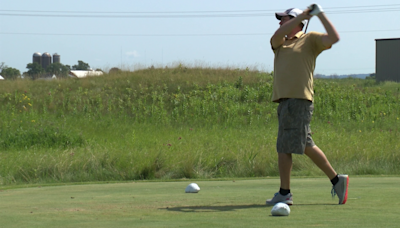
column 279, row 36
column 332, row 35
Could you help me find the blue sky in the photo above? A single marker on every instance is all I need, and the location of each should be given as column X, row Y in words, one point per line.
column 211, row 33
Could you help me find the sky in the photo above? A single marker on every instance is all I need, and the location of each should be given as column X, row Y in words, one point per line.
column 133, row 34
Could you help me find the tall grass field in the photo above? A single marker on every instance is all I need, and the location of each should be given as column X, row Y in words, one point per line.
column 185, row 122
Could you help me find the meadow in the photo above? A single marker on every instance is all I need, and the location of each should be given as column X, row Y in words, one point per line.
column 185, row 122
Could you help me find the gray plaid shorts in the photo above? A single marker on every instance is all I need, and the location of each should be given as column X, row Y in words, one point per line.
column 294, row 133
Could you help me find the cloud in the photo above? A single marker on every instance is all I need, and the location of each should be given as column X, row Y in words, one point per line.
column 132, row 54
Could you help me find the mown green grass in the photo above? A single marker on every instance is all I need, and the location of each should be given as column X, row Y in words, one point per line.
column 184, row 123
column 229, row 203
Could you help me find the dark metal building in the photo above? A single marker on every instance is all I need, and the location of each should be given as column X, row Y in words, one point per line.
column 56, row 58
column 46, row 60
column 37, row 58
column 387, row 59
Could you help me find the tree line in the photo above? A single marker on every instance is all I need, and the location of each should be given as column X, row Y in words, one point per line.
column 35, row 70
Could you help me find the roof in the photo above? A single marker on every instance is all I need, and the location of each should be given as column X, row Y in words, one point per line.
column 1, row 78
column 387, row 39
column 84, row 73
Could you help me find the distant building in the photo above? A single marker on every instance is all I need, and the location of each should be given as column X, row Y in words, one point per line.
column 37, row 58
column 45, row 59
column 84, row 73
column 56, row 58
column 387, row 59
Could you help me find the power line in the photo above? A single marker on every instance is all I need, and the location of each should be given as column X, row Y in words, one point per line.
column 172, row 35
column 137, row 12
column 368, row 6
column 383, row 30
column 187, row 12
column 190, row 14
column 140, row 16
column 352, row 11
column 185, row 16
column 138, row 35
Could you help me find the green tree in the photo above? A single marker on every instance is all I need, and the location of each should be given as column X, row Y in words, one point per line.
column 81, row 66
column 114, row 70
column 371, row 76
column 10, row 73
column 2, row 66
column 34, row 70
column 57, row 69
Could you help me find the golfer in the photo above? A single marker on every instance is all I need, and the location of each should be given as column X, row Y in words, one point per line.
column 294, row 64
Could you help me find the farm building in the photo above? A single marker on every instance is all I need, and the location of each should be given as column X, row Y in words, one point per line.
column 84, row 73
column 387, row 59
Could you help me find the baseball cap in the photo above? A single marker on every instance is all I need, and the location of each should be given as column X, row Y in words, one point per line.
column 294, row 12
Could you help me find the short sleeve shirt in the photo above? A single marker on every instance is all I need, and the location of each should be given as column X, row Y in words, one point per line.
column 294, row 66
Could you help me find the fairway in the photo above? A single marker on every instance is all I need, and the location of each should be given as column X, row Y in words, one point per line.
column 230, row 203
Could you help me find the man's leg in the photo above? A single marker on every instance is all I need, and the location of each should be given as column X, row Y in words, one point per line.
column 319, row 158
column 285, row 168
column 340, row 182
column 285, row 135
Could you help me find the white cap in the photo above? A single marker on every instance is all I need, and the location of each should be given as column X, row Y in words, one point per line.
column 294, row 12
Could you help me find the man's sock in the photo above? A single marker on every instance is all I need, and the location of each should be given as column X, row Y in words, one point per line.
column 335, row 180
column 284, row 192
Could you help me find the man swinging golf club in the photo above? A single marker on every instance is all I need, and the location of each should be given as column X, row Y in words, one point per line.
column 294, row 64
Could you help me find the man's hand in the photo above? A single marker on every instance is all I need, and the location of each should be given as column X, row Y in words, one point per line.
column 306, row 14
column 332, row 35
column 314, row 9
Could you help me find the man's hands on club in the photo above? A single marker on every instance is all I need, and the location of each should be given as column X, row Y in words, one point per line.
column 314, row 9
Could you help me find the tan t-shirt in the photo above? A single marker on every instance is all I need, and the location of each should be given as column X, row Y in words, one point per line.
column 294, row 66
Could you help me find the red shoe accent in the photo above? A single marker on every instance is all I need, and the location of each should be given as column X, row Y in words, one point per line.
column 345, row 195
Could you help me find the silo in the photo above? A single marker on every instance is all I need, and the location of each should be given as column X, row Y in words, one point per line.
column 56, row 58
column 37, row 58
column 46, row 60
